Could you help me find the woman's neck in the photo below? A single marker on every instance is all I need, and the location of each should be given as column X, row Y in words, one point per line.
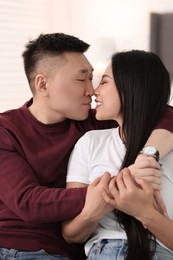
column 121, row 134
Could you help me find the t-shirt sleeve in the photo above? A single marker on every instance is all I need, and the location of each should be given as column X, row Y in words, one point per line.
column 166, row 122
column 78, row 166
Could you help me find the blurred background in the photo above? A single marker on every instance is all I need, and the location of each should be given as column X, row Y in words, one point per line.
column 107, row 25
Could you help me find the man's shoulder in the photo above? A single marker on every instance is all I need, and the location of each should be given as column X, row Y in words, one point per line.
column 7, row 116
column 11, row 117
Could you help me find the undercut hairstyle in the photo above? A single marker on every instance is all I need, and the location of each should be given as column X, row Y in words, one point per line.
column 144, row 85
column 49, row 46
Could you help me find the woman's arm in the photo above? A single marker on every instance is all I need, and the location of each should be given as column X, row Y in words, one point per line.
column 157, row 224
column 80, row 228
column 138, row 201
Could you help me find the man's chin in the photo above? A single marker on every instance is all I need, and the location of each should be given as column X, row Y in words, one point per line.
column 81, row 117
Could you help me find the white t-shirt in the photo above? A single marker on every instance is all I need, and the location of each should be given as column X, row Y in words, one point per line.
column 102, row 150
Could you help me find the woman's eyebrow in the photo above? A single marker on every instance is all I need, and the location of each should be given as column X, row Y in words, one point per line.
column 106, row 75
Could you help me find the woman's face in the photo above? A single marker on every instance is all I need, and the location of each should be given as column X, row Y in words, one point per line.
column 107, row 98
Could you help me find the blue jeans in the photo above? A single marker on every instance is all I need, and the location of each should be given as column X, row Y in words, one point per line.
column 117, row 249
column 109, row 249
column 162, row 253
column 13, row 254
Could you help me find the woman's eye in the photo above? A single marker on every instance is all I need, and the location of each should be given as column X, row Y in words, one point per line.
column 102, row 82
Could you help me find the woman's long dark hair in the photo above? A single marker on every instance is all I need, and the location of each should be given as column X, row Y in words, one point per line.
column 143, row 84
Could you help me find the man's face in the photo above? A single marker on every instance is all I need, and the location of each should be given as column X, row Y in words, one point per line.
column 70, row 88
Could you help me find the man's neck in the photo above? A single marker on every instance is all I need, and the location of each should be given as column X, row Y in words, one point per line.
column 43, row 113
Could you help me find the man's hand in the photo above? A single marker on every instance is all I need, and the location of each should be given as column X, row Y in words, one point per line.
column 95, row 206
column 147, row 168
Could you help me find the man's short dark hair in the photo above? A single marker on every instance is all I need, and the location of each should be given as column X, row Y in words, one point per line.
column 49, row 45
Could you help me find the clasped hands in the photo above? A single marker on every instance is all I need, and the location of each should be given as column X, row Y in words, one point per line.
column 134, row 190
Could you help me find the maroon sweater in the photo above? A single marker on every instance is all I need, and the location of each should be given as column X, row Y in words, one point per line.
column 33, row 164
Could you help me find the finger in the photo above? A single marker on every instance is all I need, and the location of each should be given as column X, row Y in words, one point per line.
column 96, row 181
column 144, row 185
column 160, row 203
column 154, row 181
column 151, row 179
column 121, row 187
column 155, row 187
column 108, row 199
column 156, row 205
column 127, row 181
column 148, row 172
column 105, row 178
column 148, row 162
column 113, row 189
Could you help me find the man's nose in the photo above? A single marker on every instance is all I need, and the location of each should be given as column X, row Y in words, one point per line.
column 90, row 89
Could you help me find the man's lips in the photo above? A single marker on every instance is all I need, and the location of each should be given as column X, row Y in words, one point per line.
column 87, row 104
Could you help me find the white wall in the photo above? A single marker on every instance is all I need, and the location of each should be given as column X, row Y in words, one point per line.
column 108, row 25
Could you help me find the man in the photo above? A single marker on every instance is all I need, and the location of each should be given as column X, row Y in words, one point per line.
column 36, row 141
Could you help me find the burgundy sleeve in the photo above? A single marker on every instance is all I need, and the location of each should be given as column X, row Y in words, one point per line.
column 166, row 122
column 25, row 198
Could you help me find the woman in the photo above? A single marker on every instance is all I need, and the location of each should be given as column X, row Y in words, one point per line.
column 134, row 91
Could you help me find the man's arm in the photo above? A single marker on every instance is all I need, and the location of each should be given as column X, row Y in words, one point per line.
column 22, row 193
column 162, row 136
column 166, row 121
column 162, row 140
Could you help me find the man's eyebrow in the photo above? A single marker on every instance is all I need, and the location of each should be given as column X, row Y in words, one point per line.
column 86, row 71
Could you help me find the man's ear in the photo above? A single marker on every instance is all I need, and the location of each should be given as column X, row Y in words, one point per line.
column 41, row 85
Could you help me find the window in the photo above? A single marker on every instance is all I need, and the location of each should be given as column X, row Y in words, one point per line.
column 20, row 21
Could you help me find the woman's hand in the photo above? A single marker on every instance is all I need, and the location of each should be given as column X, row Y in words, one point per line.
column 147, row 168
column 138, row 201
column 128, row 197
